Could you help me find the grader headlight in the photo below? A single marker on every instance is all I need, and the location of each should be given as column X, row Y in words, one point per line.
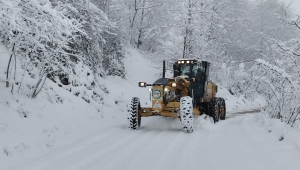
column 185, row 62
column 173, row 84
column 142, row 84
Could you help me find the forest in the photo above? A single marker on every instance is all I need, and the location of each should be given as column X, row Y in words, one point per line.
column 253, row 45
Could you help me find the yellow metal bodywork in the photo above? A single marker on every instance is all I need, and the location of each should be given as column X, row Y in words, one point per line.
column 172, row 108
column 167, row 112
column 157, row 103
column 211, row 91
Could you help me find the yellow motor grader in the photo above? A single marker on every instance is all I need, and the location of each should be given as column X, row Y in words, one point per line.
column 188, row 94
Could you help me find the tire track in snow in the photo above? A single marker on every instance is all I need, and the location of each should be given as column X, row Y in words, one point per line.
column 125, row 155
column 227, row 148
column 247, row 148
column 195, row 152
column 95, row 154
column 209, row 147
column 67, row 151
column 170, row 154
column 79, row 154
column 145, row 157
column 102, row 157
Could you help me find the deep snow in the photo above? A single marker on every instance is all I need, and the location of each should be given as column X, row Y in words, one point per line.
column 73, row 135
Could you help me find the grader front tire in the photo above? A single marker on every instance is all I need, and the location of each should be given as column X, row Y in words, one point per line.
column 134, row 117
column 186, row 114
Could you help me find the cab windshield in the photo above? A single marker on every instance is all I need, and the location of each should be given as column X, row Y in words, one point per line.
column 197, row 70
column 191, row 70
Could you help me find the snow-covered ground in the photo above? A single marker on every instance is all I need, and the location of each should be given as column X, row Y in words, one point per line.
column 238, row 143
column 36, row 134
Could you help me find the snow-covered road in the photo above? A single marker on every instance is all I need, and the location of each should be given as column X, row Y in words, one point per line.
column 236, row 143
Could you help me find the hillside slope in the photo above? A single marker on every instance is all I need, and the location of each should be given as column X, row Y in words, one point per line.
column 32, row 127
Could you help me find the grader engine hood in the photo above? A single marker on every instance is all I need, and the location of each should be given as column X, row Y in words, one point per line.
column 165, row 91
column 157, row 98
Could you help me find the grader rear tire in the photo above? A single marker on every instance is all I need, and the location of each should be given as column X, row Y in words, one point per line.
column 186, row 114
column 222, row 109
column 214, row 109
column 134, row 117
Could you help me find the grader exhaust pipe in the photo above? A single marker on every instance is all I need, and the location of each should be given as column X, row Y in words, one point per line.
column 164, row 69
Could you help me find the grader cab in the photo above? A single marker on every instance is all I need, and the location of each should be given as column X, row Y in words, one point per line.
column 187, row 94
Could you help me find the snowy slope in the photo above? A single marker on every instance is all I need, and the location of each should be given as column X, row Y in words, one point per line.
column 32, row 127
column 75, row 135
column 237, row 104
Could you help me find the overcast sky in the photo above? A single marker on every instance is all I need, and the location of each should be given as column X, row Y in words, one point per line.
column 295, row 6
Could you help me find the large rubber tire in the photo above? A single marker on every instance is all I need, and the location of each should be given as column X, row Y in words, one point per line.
column 222, row 109
column 186, row 114
column 134, row 117
column 214, row 109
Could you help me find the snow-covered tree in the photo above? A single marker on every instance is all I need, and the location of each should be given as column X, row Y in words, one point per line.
column 38, row 36
column 63, row 41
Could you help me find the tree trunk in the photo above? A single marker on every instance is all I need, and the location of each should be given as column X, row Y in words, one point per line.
column 39, row 85
column 188, row 46
column 261, row 27
column 132, row 22
column 7, row 72
column 139, row 42
column 190, row 31
column 184, row 47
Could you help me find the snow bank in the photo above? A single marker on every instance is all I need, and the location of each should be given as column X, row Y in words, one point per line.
column 240, row 103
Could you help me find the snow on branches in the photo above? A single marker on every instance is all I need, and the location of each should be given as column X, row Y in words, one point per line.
column 38, row 36
column 280, row 90
column 50, row 40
